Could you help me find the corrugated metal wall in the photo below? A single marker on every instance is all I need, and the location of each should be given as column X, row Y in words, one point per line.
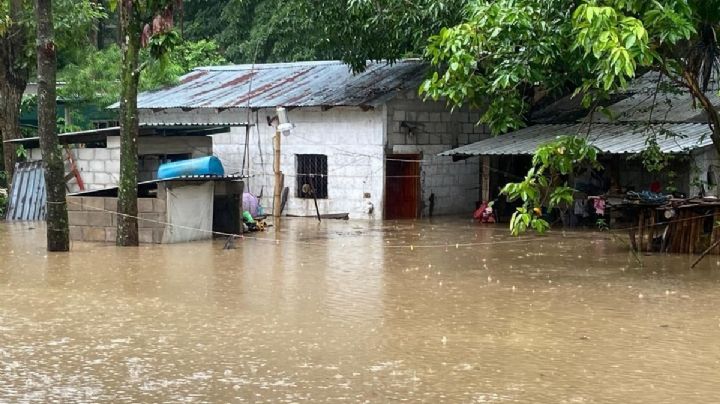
column 27, row 194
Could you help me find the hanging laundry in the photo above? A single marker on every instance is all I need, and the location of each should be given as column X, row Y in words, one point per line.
column 580, row 207
column 599, row 205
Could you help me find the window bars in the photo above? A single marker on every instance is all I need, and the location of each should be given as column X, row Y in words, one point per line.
column 311, row 177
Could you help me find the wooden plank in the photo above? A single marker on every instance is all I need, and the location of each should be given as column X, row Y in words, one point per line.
column 339, row 216
column 716, row 231
column 651, row 229
column 641, row 230
column 691, row 235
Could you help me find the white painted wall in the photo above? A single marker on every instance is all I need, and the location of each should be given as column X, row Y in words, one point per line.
column 353, row 140
column 356, row 143
column 456, row 185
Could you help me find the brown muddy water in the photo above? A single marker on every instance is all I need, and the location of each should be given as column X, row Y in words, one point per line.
column 350, row 312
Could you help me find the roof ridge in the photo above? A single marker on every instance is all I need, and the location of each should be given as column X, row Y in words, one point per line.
column 280, row 65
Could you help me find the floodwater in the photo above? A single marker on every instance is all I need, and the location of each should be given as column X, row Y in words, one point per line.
column 356, row 312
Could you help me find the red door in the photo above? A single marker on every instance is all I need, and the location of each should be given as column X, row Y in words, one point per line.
column 402, row 186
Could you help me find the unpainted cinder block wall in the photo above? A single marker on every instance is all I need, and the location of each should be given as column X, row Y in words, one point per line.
column 93, row 218
column 415, row 126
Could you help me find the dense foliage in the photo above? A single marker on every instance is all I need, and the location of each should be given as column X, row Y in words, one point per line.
column 73, row 20
column 546, row 184
column 96, row 79
column 507, row 52
column 289, row 30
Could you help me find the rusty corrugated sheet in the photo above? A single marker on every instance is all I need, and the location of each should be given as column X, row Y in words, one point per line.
column 27, row 194
column 302, row 84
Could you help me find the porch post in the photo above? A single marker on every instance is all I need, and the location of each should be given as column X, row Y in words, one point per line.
column 485, row 197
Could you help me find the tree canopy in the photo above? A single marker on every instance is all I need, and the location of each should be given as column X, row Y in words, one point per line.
column 506, row 52
column 96, row 79
column 289, row 30
column 72, row 19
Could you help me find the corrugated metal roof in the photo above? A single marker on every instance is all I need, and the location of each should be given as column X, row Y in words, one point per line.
column 668, row 107
column 146, row 129
column 302, row 84
column 664, row 102
column 27, row 195
column 609, row 138
column 634, row 104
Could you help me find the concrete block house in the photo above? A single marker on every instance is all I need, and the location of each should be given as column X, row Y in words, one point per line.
column 366, row 143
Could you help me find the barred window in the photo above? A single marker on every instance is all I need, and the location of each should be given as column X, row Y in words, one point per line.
column 312, row 176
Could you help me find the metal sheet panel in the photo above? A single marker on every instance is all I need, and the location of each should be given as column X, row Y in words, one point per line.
column 609, row 138
column 27, row 195
column 301, row 84
column 146, row 129
column 663, row 107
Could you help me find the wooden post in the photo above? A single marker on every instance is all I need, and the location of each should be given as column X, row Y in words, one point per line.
column 277, row 194
column 651, row 229
column 238, row 191
column 641, row 230
column 485, row 197
column 716, row 230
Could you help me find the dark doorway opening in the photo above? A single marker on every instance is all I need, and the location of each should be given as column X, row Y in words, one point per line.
column 402, row 186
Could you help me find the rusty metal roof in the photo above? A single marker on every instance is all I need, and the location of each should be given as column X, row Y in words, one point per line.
column 301, row 84
column 609, row 138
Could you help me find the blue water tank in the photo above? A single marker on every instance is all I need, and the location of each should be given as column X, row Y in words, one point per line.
column 210, row 165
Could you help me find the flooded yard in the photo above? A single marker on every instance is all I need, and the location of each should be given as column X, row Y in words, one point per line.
column 443, row 311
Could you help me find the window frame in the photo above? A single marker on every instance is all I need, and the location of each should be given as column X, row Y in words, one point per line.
column 305, row 164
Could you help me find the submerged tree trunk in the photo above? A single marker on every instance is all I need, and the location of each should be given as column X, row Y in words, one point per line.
column 127, row 226
column 13, row 80
column 57, row 216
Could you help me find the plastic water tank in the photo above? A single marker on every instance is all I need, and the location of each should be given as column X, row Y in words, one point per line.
column 210, row 165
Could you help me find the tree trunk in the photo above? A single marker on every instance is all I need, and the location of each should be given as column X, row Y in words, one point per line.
column 58, row 237
column 11, row 95
column 127, row 226
column 13, row 80
column 713, row 115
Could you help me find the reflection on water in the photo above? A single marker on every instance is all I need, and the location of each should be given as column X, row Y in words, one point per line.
column 344, row 314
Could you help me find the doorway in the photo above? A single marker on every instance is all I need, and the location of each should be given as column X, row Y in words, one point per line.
column 402, row 186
